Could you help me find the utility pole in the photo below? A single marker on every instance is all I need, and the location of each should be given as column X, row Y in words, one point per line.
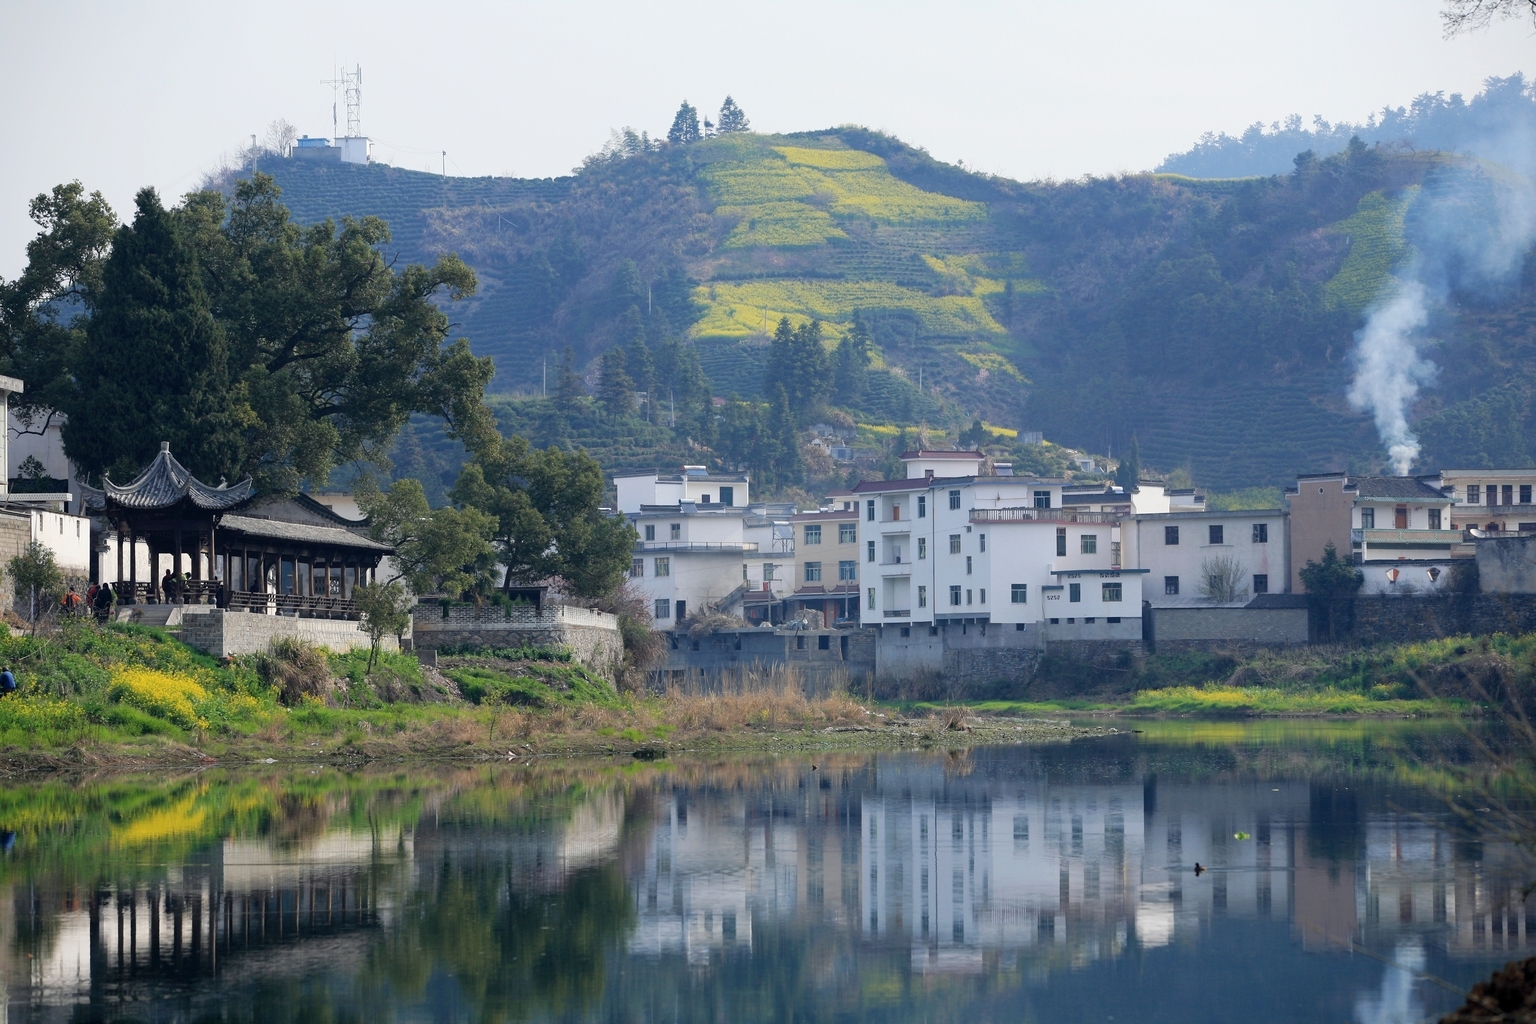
column 445, row 163
column 546, row 376
column 647, row 300
column 253, row 152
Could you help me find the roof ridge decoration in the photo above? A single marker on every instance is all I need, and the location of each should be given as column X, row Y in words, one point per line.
column 166, row 482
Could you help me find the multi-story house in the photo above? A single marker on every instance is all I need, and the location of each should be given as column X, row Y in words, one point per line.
column 827, row 563
column 1403, row 531
column 1205, row 558
column 1490, row 500
column 693, row 556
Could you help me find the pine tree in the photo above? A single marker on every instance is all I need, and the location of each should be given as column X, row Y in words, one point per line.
column 732, row 118
column 798, row 363
column 782, row 434
column 637, row 356
column 616, row 389
column 155, row 362
column 1128, row 473
column 567, row 383
column 851, row 370
column 685, row 126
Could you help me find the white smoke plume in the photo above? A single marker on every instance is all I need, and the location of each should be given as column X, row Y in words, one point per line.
column 1470, row 233
column 1389, row 369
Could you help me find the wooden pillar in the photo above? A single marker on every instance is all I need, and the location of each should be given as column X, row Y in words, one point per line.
column 119, row 553
column 133, row 556
column 176, row 555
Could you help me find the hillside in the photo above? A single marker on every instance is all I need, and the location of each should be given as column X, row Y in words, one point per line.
column 1212, row 320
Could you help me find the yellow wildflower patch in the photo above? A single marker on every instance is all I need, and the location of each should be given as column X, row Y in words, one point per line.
column 992, row 363
column 162, row 694
column 740, row 309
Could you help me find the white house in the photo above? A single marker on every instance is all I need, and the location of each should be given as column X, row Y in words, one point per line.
column 1177, row 549
column 694, row 484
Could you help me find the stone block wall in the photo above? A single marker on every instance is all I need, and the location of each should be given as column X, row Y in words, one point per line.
column 221, row 633
column 1179, row 628
column 592, row 637
column 1406, row 619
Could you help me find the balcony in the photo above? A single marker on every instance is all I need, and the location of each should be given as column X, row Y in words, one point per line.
column 1442, row 539
column 903, row 613
column 701, row 547
column 1041, row 515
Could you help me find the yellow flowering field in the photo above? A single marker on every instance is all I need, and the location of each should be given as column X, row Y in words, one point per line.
column 740, row 309
column 162, row 694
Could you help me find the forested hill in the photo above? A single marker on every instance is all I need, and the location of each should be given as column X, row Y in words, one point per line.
column 1212, row 320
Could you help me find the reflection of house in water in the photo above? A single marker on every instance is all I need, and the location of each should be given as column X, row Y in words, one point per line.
column 240, row 908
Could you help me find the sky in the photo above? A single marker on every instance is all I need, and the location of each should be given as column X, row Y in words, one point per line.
column 122, row 95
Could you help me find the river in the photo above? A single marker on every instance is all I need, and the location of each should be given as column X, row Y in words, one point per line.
column 1049, row 883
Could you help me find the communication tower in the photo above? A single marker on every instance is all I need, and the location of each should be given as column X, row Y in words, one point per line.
column 347, row 87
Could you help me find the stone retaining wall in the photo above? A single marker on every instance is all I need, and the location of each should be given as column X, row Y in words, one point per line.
column 220, row 632
column 592, row 637
column 1200, row 628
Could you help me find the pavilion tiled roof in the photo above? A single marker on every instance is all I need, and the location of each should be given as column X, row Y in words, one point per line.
column 164, row 483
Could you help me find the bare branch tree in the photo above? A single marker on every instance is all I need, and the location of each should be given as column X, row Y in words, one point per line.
column 1221, row 580
column 1462, row 16
column 280, row 137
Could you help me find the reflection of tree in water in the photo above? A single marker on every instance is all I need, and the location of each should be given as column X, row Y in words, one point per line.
column 509, row 951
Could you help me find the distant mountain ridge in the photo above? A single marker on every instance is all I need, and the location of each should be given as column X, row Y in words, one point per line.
column 1498, row 124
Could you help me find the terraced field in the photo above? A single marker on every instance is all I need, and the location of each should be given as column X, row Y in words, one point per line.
column 1376, row 246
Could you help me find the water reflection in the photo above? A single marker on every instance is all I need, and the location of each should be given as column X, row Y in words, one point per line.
column 1021, row 883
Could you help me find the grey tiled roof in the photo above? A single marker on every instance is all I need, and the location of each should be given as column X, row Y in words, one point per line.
column 279, row 529
column 166, row 482
column 1401, row 488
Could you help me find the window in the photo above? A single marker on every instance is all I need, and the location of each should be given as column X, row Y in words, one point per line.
column 1434, row 519
column 704, row 498
column 954, row 500
column 1112, row 593
column 677, row 531
column 847, row 571
column 1218, row 534
column 922, row 547
column 983, row 541
column 922, row 597
column 983, row 595
column 906, row 630
column 1089, row 543
column 1509, row 499
column 870, row 604
column 869, row 510
column 1525, row 494
column 1042, row 499
column 1061, row 541
column 922, row 506
column 1090, row 619
column 728, row 496
column 663, row 608
column 1170, row 585
column 871, row 545
column 954, row 596
column 896, row 513
column 663, row 567
column 824, row 642
column 800, row 642
column 1113, row 618
column 1261, row 583
column 1261, row 533
column 768, row 568
column 968, row 595
column 650, row 531
column 1367, row 519
column 813, row 572
column 1474, row 494
column 848, row 533
column 1055, row 622
column 1020, row 593
column 637, row 567
column 813, row 534
column 954, row 543
column 967, row 565
column 1170, row 535
column 1074, row 592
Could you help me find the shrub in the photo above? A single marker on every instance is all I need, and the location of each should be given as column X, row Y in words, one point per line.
column 296, row 669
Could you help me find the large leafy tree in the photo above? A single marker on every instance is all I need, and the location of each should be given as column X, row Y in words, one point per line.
column 321, row 347
column 437, row 550
column 157, row 361
column 549, row 521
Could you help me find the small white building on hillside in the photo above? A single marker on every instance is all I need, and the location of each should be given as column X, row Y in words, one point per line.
column 694, row 484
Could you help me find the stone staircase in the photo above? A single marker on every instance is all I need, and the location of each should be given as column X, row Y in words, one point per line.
column 166, row 616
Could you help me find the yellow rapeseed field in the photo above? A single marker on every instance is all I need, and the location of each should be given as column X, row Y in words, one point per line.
column 162, row 694
column 739, row 310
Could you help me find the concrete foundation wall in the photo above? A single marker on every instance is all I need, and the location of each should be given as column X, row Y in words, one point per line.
column 592, row 637
column 1263, row 627
column 740, row 656
column 221, row 633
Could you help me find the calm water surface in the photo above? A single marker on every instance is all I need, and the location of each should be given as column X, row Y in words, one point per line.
column 1019, row 883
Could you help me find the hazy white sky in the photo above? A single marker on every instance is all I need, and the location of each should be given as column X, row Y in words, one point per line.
column 126, row 94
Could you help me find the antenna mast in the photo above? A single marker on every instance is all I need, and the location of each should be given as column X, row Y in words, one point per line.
column 348, row 86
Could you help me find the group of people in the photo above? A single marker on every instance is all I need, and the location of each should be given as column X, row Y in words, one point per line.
column 99, row 599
